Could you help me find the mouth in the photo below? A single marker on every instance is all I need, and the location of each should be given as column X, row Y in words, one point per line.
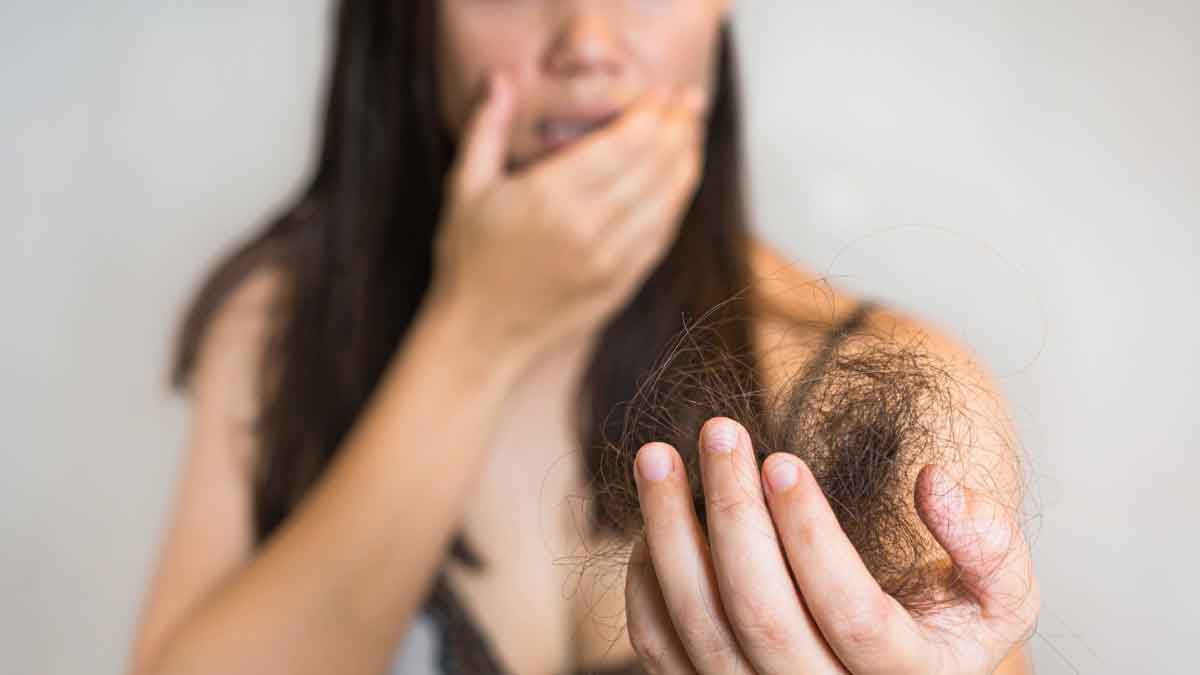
column 557, row 131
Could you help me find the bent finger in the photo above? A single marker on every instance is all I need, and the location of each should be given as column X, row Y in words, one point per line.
column 987, row 546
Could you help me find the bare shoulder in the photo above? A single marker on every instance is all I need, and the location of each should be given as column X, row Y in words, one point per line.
column 210, row 530
column 226, row 385
column 795, row 310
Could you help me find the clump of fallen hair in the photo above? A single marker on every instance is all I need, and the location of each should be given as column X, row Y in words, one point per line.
column 866, row 411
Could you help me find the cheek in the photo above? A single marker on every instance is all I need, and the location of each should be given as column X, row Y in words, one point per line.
column 462, row 76
column 468, row 48
column 679, row 49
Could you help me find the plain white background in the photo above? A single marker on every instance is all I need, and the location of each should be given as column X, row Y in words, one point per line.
column 1022, row 173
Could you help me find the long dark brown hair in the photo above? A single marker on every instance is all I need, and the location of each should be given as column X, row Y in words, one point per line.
column 355, row 250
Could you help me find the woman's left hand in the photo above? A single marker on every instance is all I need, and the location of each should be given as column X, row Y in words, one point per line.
column 778, row 587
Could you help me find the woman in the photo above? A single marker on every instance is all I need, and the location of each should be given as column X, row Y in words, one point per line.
column 398, row 386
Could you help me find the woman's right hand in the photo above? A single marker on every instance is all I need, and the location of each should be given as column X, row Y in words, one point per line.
column 554, row 250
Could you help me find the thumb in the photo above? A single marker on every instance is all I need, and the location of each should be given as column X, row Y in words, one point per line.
column 986, row 544
column 484, row 141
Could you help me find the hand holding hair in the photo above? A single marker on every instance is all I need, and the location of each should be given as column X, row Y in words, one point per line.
column 832, row 532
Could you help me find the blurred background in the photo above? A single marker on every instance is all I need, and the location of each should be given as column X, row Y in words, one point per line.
column 1022, row 173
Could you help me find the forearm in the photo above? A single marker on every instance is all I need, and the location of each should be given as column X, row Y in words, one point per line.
column 337, row 584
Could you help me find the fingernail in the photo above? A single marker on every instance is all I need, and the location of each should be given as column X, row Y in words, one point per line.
column 720, row 436
column 782, row 475
column 653, row 462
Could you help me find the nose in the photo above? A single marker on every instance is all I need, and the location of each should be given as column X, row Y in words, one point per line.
column 587, row 42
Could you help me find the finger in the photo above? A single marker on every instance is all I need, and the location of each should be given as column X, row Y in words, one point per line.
column 767, row 615
column 869, row 630
column 484, row 142
column 648, row 223
column 639, row 175
column 598, row 157
column 649, row 623
column 986, row 545
column 648, row 214
column 669, row 166
column 676, row 128
column 680, row 557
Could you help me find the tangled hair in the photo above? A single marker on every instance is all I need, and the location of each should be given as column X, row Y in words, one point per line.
column 866, row 410
column 864, row 406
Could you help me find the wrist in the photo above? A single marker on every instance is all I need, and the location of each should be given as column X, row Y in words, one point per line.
column 465, row 331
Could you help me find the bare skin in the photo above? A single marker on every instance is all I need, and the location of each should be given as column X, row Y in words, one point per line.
column 522, row 513
column 498, row 308
column 340, row 582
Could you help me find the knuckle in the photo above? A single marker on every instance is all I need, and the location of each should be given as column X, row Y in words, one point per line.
column 760, row 624
column 700, row 630
column 802, row 527
column 706, row 641
column 726, row 504
column 862, row 625
column 651, row 649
